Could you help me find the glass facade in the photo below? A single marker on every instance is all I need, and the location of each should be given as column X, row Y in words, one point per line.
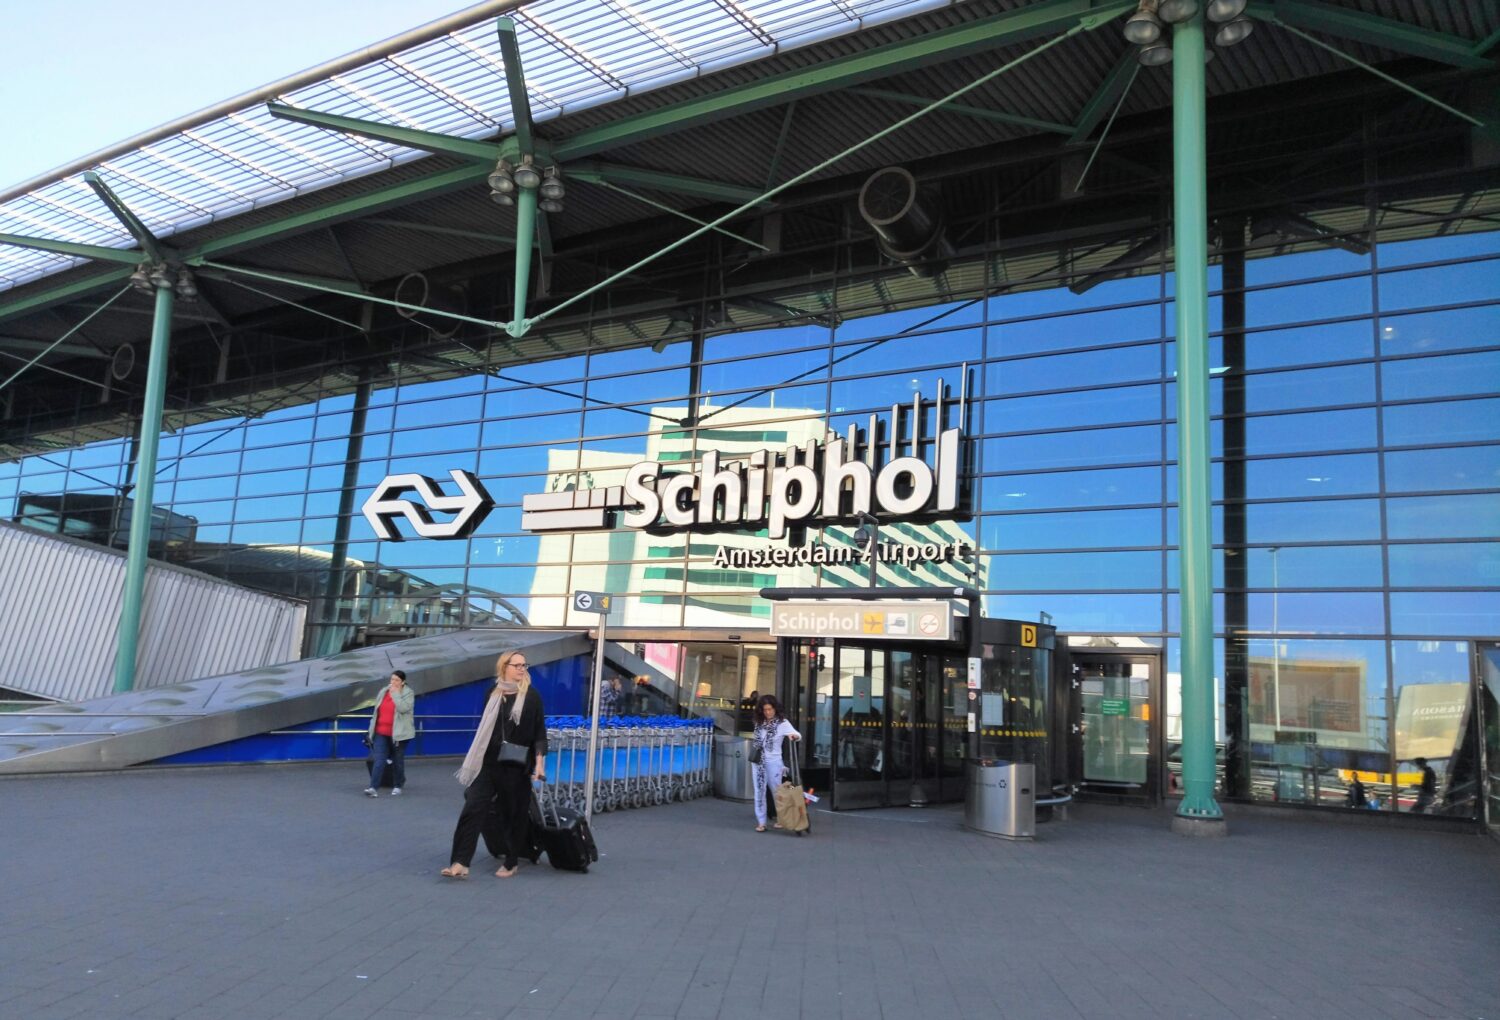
column 1356, row 479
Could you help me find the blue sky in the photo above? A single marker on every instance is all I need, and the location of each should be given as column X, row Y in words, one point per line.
column 80, row 75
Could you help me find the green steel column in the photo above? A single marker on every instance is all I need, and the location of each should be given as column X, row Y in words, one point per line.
column 525, row 239
column 140, row 517
column 1198, row 813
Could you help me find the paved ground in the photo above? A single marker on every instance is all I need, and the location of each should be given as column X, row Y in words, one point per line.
column 281, row 892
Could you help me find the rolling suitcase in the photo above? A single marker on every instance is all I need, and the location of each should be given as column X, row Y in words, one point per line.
column 563, row 833
column 496, row 846
column 791, row 799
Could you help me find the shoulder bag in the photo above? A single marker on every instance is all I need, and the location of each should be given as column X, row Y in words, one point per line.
column 510, row 754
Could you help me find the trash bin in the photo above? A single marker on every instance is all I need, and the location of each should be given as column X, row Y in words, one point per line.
column 732, row 777
column 1000, row 799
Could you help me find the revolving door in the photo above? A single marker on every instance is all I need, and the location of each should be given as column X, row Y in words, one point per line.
column 891, row 723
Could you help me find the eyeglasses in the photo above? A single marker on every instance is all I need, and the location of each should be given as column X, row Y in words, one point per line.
column 519, row 665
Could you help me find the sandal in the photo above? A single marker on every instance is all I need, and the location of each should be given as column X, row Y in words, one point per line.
column 455, row 871
column 760, row 828
column 506, row 872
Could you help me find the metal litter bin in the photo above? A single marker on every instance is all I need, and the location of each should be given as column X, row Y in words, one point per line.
column 732, row 776
column 1000, row 799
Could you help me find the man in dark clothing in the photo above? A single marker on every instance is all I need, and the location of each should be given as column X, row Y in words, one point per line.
column 1427, row 789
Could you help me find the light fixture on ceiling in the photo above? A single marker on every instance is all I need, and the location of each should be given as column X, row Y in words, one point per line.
column 1155, row 54
column 526, row 175
column 1235, row 31
column 550, row 205
column 500, row 180
column 1143, row 27
column 187, row 287
column 501, row 198
column 1225, row 10
column 660, row 345
column 552, row 184
column 141, row 279
column 1173, row 11
column 160, row 275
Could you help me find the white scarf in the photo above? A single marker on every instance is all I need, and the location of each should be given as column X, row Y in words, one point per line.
column 469, row 770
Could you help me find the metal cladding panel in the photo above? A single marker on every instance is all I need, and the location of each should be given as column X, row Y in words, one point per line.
column 60, row 600
column 141, row 726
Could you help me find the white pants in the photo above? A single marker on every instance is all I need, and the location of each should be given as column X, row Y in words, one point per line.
column 767, row 778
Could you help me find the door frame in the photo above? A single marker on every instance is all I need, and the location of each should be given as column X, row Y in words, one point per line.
column 1158, row 776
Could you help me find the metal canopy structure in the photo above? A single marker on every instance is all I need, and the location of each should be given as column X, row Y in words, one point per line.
column 667, row 104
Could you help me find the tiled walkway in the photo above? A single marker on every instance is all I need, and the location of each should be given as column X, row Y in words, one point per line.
column 282, row 892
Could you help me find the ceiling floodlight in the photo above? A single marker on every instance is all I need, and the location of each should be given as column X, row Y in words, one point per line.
column 550, row 205
column 501, row 198
column 187, row 288
column 1155, row 55
column 1225, row 10
column 1234, row 31
column 552, row 185
column 526, row 174
column 1173, row 11
column 1143, row 27
column 160, row 277
column 141, row 279
column 500, row 180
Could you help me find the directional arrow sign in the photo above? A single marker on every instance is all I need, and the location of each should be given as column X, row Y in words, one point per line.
column 387, row 503
column 591, row 602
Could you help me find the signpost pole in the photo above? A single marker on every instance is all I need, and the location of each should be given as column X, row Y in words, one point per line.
column 588, row 795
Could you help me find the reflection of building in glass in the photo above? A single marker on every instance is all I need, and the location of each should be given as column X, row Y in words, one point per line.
column 699, row 577
column 1322, row 700
column 1430, row 720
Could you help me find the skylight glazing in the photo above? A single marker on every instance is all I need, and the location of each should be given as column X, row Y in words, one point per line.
column 575, row 55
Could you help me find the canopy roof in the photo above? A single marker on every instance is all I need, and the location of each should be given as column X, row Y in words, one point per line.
column 693, row 107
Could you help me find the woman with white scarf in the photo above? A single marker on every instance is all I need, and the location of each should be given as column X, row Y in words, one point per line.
column 509, row 750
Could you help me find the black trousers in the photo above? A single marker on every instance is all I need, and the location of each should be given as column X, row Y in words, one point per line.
column 505, row 789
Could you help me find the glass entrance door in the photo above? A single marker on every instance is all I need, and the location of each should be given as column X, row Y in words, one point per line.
column 1114, row 728
column 860, row 717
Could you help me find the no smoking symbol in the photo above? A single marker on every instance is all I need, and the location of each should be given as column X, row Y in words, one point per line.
column 928, row 624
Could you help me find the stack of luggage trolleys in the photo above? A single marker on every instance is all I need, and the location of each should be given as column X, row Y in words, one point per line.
column 641, row 760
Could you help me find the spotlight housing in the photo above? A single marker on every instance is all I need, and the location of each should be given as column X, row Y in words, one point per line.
column 552, row 185
column 160, row 276
column 187, row 288
column 141, row 279
column 1225, row 10
column 550, row 205
column 1155, row 55
column 526, row 174
column 500, row 180
column 1173, row 11
column 1232, row 32
column 1143, row 27
column 501, row 198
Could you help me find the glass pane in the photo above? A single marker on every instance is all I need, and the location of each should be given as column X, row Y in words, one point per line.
column 1104, row 406
column 1445, row 565
column 1070, row 371
column 1090, row 571
column 1142, row 322
column 1116, row 727
column 1062, row 489
column 1449, row 375
column 1468, row 467
column 1083, row 614
column 1445, row 613
column 1476, row 516
column 1328, row 299
column 1434, row 728
column 1138, row 443
column 1421, row 332
column 861, row 680
column 1452, row 421
column 1097, row 528
column 1440, row 285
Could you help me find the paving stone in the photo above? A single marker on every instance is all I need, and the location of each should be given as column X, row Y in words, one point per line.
column 278, row 891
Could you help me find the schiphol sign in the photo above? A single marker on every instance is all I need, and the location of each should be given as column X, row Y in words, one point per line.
column 818, row 482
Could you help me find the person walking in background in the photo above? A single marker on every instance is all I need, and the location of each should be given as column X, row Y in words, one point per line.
column 611, row 696
column 1357, row 797
column 771, row 728
column 391, row 726
column 509, row 750
column 1426, row 789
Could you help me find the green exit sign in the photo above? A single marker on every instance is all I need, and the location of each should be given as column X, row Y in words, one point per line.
column 1114, row 706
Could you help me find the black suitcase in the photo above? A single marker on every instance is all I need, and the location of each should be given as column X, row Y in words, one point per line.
column 496, row 846
column 563, row 833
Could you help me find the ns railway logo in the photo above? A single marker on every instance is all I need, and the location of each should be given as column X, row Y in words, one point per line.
column 889, row 468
